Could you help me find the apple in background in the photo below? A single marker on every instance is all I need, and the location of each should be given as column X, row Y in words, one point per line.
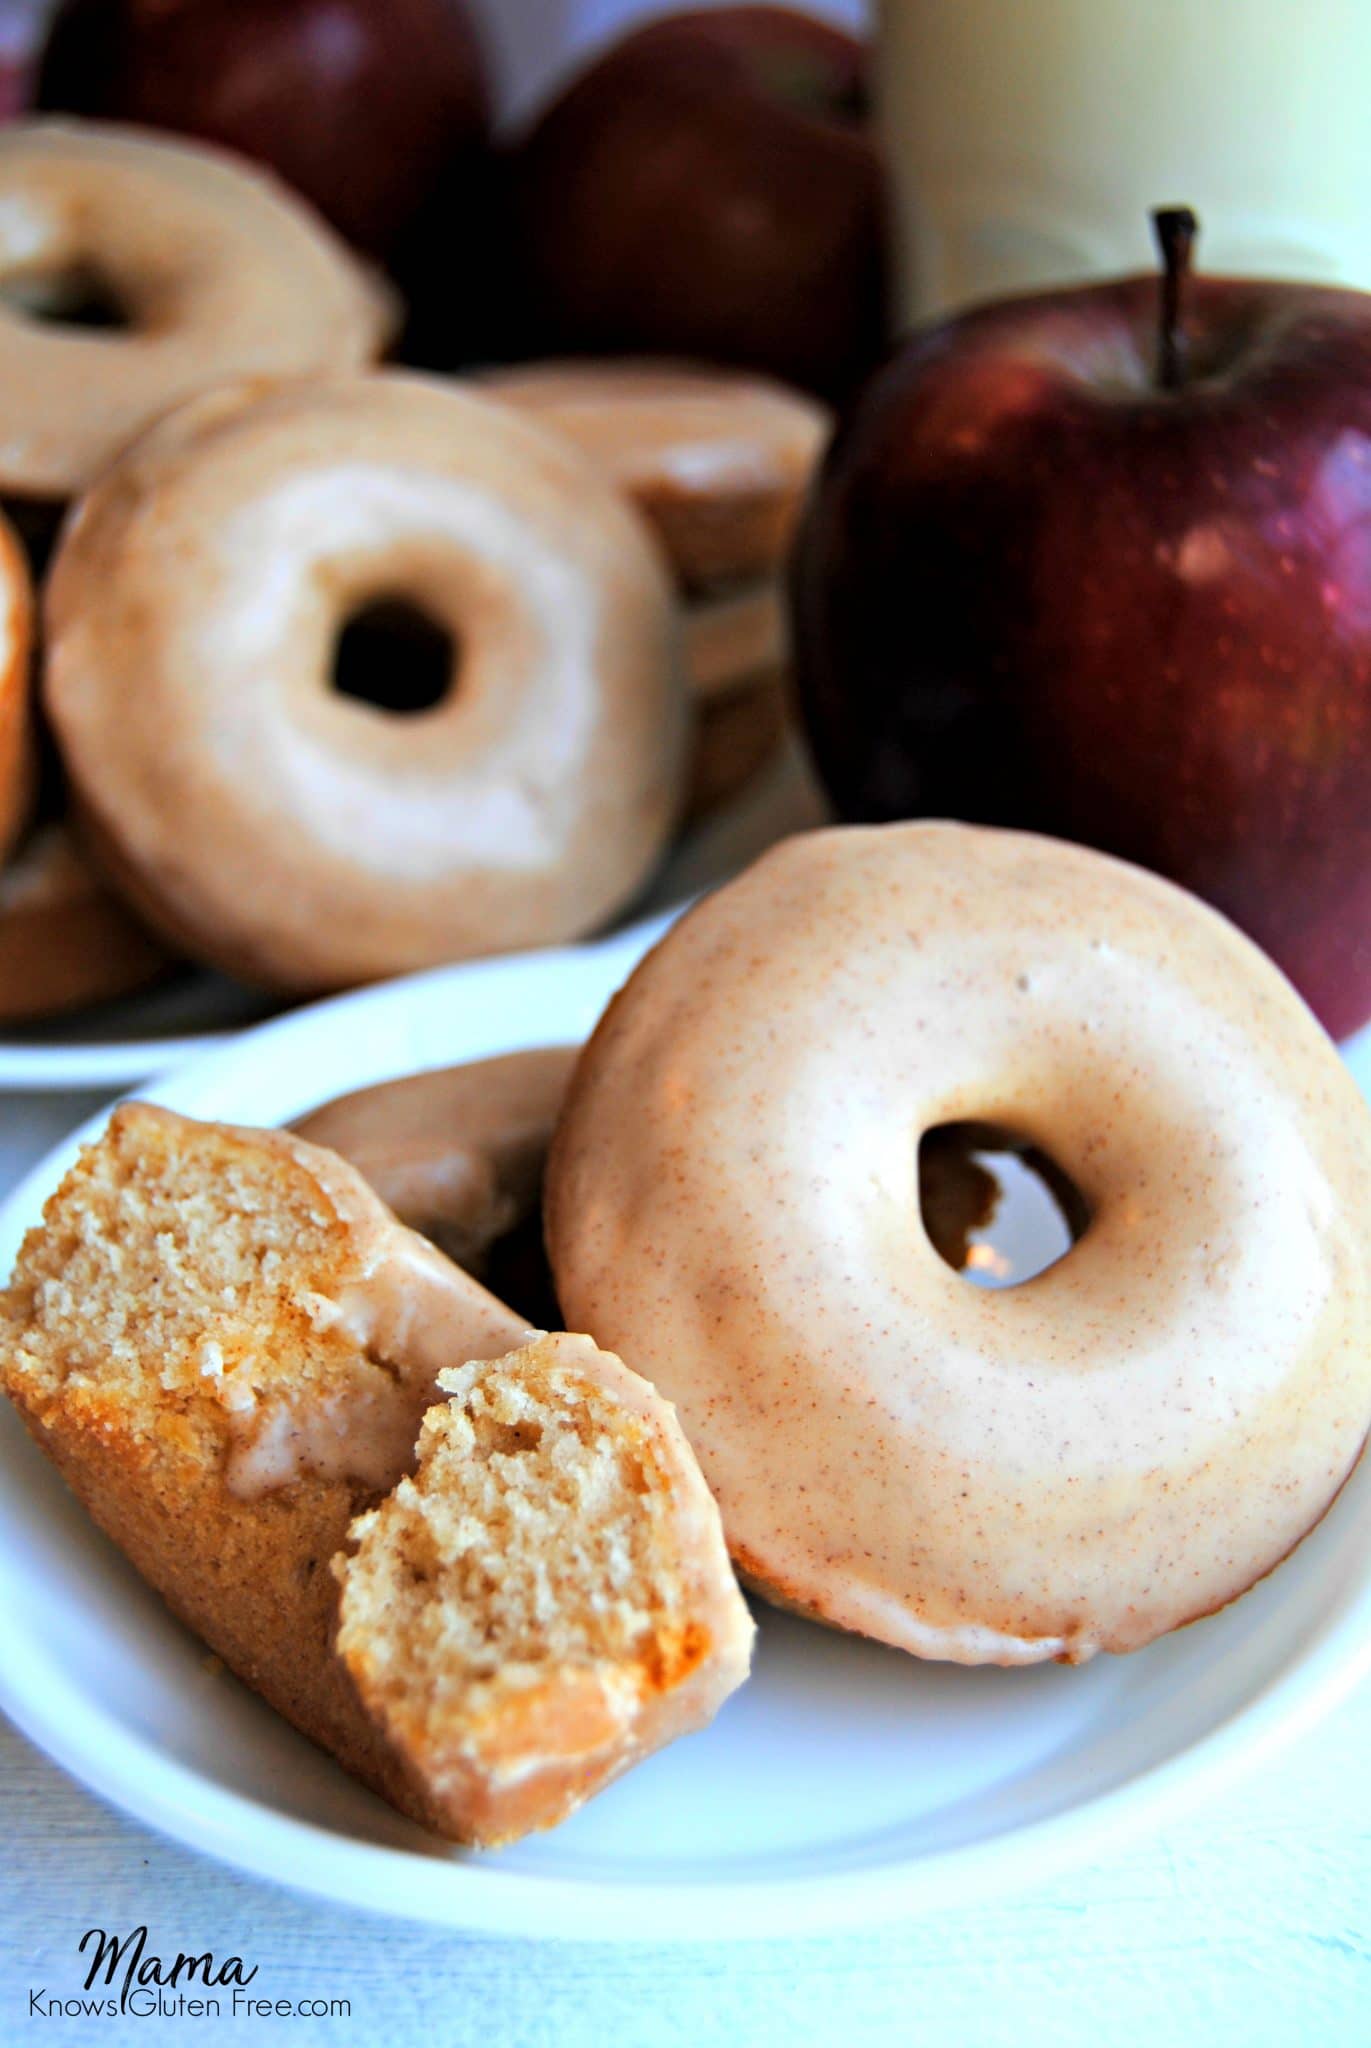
column 1102, row 570
column 364, row 106
column 708, row 188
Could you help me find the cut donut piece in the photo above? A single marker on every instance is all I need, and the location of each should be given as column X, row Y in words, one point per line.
column 227, row 1345
column 548, row 1599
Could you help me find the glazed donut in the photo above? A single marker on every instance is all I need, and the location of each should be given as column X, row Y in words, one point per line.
column 220, row 272
column 458, row 1153
column 16, row 657
column 1117, row 1446
column 718, row 462
column 296, row 835
column 65, row 939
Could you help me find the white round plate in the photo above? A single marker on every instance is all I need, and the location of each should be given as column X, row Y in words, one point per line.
column 118, row 1044
column 845, row 1784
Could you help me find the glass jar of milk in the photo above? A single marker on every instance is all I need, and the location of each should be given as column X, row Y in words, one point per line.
column 1029, row 139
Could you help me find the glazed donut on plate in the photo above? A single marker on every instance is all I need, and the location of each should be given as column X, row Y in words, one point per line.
column 65, row 939
column 228, row 1346
column 16, row 659
column 219, row 271
column 1119, row 1445
column 304, row 838
column 458, row 1153
column 717, row 461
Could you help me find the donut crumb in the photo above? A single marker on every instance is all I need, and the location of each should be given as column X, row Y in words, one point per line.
column 533, row 1559
column 166, row 1284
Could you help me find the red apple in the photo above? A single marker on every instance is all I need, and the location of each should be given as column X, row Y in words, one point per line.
column 709, row 188
column 1062, row 573
column 361, row 105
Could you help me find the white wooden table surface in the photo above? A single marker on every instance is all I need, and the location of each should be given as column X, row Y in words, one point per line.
column 1247, row 1923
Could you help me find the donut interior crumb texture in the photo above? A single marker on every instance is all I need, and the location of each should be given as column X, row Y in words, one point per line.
column 228, row 1344
column 526, row 1590
column 163, row 1281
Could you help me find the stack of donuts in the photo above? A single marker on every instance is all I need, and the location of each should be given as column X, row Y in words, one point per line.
column 338, row 671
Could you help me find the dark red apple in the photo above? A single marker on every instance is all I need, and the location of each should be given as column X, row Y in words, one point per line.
column 709, row 188
column 1068, row 571
column 361, row 105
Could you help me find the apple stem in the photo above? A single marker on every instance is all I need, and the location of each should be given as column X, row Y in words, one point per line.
column 1175, row 228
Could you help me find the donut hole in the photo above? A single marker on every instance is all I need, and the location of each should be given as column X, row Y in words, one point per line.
column 395, row 656
column 78, row 295
column 996, row 1207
